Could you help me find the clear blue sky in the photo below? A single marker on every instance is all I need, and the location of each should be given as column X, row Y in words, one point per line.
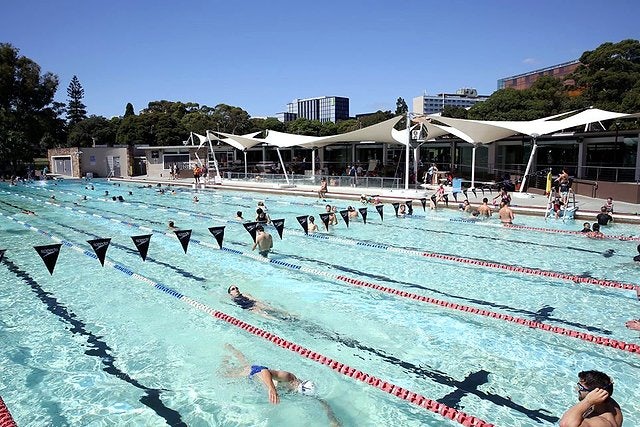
column 260, row 55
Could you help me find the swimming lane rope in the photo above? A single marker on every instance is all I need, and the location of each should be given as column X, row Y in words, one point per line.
column 423, row 254
column 346, row 370
column 6, row 420
column 608, row 342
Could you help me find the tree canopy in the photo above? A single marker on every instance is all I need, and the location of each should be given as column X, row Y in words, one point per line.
column 607, row 78
column 76, row 110
column 29, row 118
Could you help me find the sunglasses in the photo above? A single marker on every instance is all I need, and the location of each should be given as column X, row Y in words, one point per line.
column 583, row 388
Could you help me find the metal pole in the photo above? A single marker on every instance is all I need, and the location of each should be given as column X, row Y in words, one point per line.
column 473, row 166
column 245, row 162
column 407, row 152
column 313, row 163
column 534, row 139
column 282, row 163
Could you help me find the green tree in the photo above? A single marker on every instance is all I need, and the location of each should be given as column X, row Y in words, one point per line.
column 303, row 126
column 231, row 119
column 609, row 76
column 128, row 110
column 454, row 112
column 401, row 109
column 76, row 110
column 546, row 97
column 375, row 118
column 270, row 123
column 345, row 126
column 29, row 118
column 93, row 128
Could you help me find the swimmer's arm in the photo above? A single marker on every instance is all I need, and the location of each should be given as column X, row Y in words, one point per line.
column 266, row 378
column 574, row 417
column 237, row 354
column 255, row 244
column 333, row 420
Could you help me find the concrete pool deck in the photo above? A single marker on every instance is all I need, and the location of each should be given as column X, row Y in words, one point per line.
column 530, row 204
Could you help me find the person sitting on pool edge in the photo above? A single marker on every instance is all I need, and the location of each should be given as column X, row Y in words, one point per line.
column 274, row 379
column 595, row 406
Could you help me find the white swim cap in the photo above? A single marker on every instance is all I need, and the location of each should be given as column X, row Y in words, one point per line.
column 307, row 388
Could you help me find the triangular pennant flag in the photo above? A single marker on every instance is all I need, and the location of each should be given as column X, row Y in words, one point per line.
column 251, row 228
column 325, row 219
column 279, row 225
column 142, row 243
column 345, row 215
column 304, row 222
column 49, row 254
column 2, row 253
column 379, row 209
column 184, row 236
column 363, row 212
column 409, row 204
column 100, row 247
column 395, row 207
column 424, row 204
column 218, row 233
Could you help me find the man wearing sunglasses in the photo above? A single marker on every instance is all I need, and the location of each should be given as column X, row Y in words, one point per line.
column 595, row 407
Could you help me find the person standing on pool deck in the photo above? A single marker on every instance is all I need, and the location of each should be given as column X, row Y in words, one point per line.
column 264, row 241
column 322, row 193
column 273, row 379
column 595, row 406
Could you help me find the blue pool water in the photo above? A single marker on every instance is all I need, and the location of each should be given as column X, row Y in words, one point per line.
column 92, row 345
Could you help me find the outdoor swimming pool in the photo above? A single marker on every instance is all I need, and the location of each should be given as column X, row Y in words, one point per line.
column 451, row 310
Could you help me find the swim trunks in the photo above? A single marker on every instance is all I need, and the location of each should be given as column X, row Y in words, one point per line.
column 264, row 253
column 256, row 369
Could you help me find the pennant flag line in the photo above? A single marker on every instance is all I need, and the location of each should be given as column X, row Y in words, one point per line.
column 345, row 215
column 184, row 236
column 379, row 208
column 395, row 207
column 303, row 221
column 325, row 219
column 49, row 254
column 363, row 212
column 142, row 244
column 251, row 229
column 100, row 247
column 218, row 233
column 279, row 225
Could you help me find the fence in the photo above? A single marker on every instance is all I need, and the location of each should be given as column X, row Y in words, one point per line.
column 334, row 181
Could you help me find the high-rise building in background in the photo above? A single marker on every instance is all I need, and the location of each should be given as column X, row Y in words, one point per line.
column 323, row 108
column 526, row 80
column 431, row 104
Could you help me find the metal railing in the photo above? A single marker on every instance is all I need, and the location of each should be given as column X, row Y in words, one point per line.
column 333, row 181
